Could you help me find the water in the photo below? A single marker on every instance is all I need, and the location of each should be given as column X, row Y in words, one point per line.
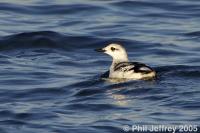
column 50, row 75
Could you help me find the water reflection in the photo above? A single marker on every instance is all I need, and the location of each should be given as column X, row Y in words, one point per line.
column 118, row 99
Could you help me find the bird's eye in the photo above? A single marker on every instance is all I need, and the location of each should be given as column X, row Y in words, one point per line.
column 112, row 48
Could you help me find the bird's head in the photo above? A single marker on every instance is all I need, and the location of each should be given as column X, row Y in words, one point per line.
column 117, row 52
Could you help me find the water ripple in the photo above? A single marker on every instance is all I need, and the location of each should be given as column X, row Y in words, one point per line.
column 52, row 80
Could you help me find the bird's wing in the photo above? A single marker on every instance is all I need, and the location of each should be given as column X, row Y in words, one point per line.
column 136, row 67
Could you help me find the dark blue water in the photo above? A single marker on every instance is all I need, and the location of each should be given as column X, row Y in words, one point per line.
column 50, row 75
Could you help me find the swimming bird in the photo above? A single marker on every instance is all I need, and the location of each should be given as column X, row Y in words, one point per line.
column 121, row 68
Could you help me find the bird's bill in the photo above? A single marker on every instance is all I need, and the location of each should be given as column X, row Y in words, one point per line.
column 100, row 50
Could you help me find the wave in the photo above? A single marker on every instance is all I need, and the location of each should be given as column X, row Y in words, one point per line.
column 193, row 34
column 176, row 70
column 55, row 40
column 49, row 9
column 165, row 5
column 46, row 39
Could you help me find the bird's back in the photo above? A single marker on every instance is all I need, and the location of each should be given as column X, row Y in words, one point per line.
column 131, row 70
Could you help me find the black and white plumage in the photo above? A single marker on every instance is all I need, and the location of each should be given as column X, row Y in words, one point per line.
column 121, row 68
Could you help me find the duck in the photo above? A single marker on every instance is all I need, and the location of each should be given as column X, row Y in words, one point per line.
column 122, row 68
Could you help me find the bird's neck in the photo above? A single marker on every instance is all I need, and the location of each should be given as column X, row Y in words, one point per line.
column 119, row 60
